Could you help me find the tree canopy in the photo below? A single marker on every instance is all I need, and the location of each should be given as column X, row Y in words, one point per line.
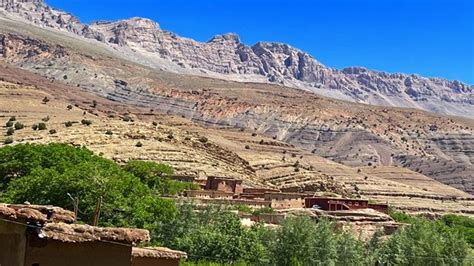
column 51, row 174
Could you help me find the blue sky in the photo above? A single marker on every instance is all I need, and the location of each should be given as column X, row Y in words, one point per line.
column 429, row 37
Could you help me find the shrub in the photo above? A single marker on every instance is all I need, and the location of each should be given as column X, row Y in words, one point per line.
column 52, row 131
column 139, row 144
column 203, row 139
column 69, row 107
column 45, row 99
column 19, row 126
column 13, row 118
column 154, row 123
column 68, row 124
column 247, row 147
column 34, row 127
column 127, row 119
column 109, row 132
column 9, row 124
column 45, row 119
column 86, row 122
column 8, row 141
column 41, row 126
column 10, row 131
column 170, row 136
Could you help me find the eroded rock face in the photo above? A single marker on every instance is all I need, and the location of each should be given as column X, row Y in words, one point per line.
column 227, row 57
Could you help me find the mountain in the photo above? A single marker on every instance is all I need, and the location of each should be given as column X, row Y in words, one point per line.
column 118, row 64
column 224, row 56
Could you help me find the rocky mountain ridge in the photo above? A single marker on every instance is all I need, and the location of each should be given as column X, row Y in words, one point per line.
column 226, row 57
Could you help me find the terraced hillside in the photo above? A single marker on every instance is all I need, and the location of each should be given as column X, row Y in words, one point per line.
column 352, row 134
column 192, row 149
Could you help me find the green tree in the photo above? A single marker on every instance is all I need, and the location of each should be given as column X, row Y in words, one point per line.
column 300, row 241
column 424, row 243
column 46, row 174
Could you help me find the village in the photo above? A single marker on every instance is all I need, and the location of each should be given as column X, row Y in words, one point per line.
column 35, row 235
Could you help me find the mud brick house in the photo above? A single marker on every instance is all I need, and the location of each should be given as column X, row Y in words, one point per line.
column 339, row 204
column 281, row 200
column 32, row 235
column 154, row 256
column 224, row 184
column 209, row 194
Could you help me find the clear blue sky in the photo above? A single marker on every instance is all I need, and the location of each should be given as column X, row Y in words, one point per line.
column 428, row 37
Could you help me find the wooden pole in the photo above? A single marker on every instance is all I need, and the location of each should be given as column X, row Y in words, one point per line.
column 95, row 222
column 76, row 208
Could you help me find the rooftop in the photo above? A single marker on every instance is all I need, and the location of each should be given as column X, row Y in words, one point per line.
column 158, row 252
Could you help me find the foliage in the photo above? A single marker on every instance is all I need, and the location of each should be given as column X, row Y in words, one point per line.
column 402, row 217
column 19, row 126
column 86, row 122
column 462, row 224
column 214, row 234
column 158, row 177
column 10, row 131
column 9, row 124
column 424, row 243
column 41, row 126
column 48, row 174
column 301, row 241
column 8, row 141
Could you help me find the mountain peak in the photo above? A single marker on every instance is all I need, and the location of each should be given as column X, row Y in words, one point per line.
column 228, row 37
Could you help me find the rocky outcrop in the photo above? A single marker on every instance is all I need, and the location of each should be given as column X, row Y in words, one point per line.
column 224, row 56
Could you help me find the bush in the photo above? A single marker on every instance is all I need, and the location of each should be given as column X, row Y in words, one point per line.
column 86, row 122
column 34, row 127
column 462, row 224
column 217, row 234
column 53, row 131
column 203, row 139
column 45, row 99
column 9, row 124
column 41, row 126
column 8, row 141
column 10, row 131
column 68, row 124
column 45, row 119
column 69, row 107
column 19, row 126
column 12, row 118
column 109, row 132
column 424, row 243
column 139, row 144
column 154, row 123
column 127, row 119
